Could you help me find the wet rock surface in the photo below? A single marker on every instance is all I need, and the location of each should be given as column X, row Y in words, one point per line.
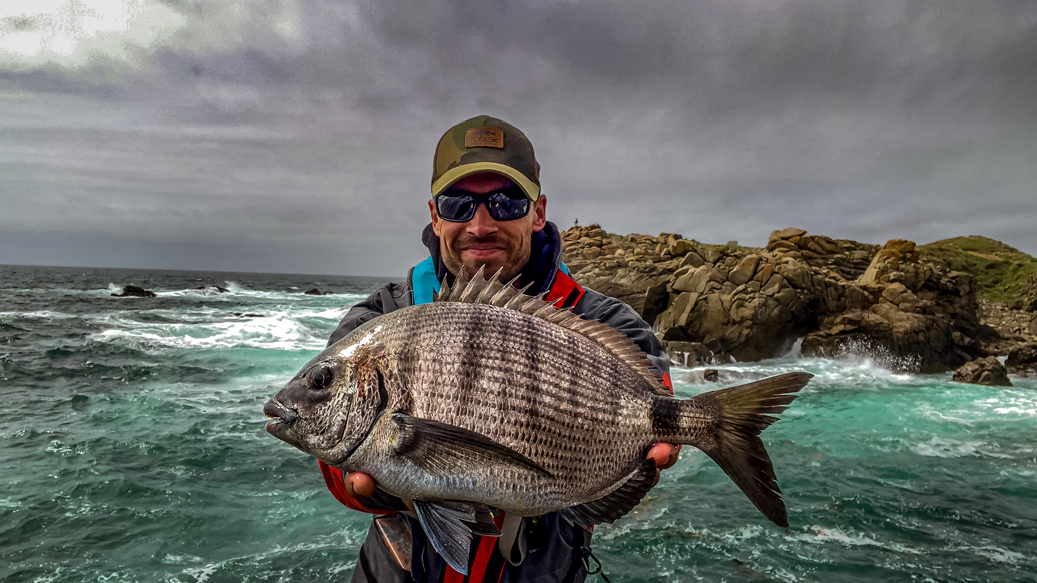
column 983, row 371
column 713, row 304
column 132, row 291
column 1022, row 360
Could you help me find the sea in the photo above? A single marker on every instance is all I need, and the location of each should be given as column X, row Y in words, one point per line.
column 132, row 449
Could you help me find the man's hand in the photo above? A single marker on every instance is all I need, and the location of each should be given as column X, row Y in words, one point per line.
column 665, row 455
column 360, row 485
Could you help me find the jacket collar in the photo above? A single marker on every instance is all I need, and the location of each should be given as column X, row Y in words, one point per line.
column 545, row 258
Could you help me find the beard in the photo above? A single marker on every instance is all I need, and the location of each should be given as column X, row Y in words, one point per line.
column 491, row 253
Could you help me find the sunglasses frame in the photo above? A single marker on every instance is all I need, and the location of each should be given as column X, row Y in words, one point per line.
column 482, row 199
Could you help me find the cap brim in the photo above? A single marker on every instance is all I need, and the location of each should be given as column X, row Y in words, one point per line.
column 451, row 176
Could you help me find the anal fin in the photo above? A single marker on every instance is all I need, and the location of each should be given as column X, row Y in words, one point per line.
column 450, row 527
column 617, row 503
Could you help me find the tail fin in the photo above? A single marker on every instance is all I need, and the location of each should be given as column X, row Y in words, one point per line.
column 744, row 412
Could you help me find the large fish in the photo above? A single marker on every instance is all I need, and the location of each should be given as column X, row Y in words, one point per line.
column 489, row 398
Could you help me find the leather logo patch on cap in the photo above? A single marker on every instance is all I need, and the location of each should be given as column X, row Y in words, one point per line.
column 484, row 138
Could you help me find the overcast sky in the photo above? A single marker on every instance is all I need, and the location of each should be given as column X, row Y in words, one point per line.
column 297, row 135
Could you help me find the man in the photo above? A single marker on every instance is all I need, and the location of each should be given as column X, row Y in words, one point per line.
column 487, row 212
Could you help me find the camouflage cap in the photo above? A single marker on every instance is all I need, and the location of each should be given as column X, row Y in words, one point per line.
column 485, row 144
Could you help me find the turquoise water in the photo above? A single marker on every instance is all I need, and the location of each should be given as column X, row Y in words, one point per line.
column 132, row 449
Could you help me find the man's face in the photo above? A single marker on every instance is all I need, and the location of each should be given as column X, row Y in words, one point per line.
column 484, row 241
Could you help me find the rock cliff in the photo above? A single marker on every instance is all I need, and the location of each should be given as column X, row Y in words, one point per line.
column 715, row 303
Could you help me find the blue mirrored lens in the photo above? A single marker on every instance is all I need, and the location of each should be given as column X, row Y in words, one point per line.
column 456, row 208
column 503, row 205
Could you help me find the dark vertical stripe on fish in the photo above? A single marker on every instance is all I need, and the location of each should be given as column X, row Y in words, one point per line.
column 665, row 414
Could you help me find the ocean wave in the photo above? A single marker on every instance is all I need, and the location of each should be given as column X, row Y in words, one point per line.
column 319, row 544
column 997, row 554
column 855, row 373
column 39, row 315
column 276, row 332
column 820, row 535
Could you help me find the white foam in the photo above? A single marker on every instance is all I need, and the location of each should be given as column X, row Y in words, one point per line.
column 333, row 541
column 954, row 448
column 998, row 554
column 276, row 332
column 38, row 315
column 822, row 535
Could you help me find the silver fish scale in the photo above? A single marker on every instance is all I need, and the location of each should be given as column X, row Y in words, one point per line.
column 541, row 389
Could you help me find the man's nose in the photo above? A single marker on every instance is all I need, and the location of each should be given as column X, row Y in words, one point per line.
column 482, row 224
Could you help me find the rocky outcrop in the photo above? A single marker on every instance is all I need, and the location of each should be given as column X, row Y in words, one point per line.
column 623, row 267
column 1022, row 360
column 1010, row 321
column 715, row 303
column 132, row 291
column 919, row 316
column 983, row 371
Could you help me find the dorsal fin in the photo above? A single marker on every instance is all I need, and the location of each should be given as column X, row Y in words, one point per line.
column 478, row 290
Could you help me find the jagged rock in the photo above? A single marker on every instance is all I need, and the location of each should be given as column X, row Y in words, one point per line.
column 1022, row 360
column 656, row 299
column 983, row 371
column 786, row 234
column 711, row 375
column 896, row 262
column 692, row 259
column 313, row 292
column 215, row 288
column 132, row 291
column 744, row 271
column 748, row 304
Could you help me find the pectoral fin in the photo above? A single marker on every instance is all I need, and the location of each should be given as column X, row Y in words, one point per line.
column 450, row 526
column 441, row 448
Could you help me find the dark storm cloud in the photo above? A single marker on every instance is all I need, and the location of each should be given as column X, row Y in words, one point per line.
column 301, row 133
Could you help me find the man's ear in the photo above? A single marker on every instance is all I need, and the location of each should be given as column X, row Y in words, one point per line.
column 540, row 216
column 435, row 217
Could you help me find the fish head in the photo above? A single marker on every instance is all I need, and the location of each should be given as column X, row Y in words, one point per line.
column 328, row 408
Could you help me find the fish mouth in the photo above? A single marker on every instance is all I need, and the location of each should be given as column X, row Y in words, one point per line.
column 279, row 413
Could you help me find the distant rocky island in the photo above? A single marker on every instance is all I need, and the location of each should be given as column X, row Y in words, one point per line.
column 931, row 308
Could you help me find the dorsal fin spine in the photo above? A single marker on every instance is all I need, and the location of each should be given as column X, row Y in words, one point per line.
column 476, row 285
column 492, row 292
column 491, row 288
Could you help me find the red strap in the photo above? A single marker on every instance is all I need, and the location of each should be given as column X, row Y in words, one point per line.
column 562, row 287
column 337, row 485
column 478, row 574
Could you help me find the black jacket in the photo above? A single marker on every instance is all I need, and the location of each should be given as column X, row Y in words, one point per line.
column 556, row 551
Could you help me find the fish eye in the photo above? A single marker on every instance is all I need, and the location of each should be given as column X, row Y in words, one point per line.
column 320, row 378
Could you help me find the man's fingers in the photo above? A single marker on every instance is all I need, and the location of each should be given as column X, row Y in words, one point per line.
column 664, row 454
column 360, row 485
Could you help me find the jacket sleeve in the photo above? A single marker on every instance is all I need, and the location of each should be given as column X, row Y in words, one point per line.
column 622, row 317
column 387, row 299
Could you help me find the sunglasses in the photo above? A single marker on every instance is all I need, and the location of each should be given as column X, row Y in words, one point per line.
column 459, row 206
